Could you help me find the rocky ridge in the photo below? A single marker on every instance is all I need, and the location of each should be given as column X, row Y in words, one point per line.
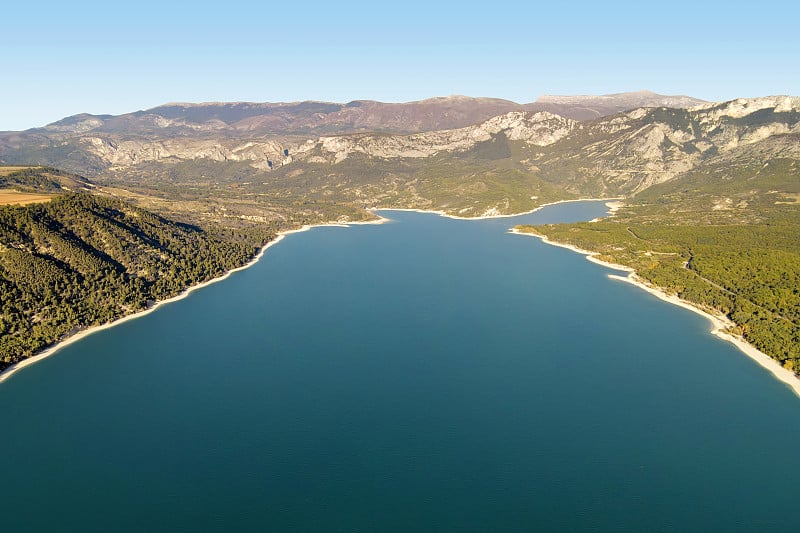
column 117, row 155
column 539, row 129
column 624, row 153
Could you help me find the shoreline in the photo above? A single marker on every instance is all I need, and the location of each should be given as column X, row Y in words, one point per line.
column 441, row 213
column 718, row 322
column 55, row 348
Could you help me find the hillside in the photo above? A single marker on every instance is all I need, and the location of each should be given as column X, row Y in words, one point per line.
column 42, row 180
column 519, row 160
column 82, row 259
column 724, row 237
column 510, row 162
column 265, row 134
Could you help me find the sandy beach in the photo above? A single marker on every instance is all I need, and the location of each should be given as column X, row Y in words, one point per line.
column 719, row 323
column 11, row 370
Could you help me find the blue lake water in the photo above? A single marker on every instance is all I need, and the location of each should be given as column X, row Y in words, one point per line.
column 427, row 374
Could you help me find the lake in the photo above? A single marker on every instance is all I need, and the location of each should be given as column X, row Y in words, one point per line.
column 427, row 374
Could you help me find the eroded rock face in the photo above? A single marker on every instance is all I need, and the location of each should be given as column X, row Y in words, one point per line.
column 743, row 107
column 634, row 150
column 124, row 153
column 540, row 129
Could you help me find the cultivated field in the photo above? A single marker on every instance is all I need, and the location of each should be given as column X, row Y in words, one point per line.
column 12, row 197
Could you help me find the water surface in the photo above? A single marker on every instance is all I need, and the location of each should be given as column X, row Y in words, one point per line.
column 425, row 374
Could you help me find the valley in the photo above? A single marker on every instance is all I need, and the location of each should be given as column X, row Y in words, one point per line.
column 710, row 189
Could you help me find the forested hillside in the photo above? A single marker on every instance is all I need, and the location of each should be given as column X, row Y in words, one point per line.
column 82, row 260
column 42, row 179
column 724, row 237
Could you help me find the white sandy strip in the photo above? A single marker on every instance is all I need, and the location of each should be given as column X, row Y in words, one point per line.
column 718, row 322
column 610, row 205
column 7, row 373
column 613, row 207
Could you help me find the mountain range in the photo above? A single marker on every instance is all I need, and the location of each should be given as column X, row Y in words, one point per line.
column 249, row 118
column 202, row 150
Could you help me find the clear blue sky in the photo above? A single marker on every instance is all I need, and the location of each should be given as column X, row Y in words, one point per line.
column 64, row 58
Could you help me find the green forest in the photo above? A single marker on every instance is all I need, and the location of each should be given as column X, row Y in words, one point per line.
column 83, row 260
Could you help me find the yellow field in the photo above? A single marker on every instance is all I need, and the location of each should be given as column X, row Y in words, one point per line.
column 5, row 171
column 11, row 197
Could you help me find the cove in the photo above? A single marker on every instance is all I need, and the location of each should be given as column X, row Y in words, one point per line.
column 425, row 374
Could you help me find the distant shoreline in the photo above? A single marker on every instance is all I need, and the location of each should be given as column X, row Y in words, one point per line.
column 719, row 322
column 486, row 217
column 52, row 350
